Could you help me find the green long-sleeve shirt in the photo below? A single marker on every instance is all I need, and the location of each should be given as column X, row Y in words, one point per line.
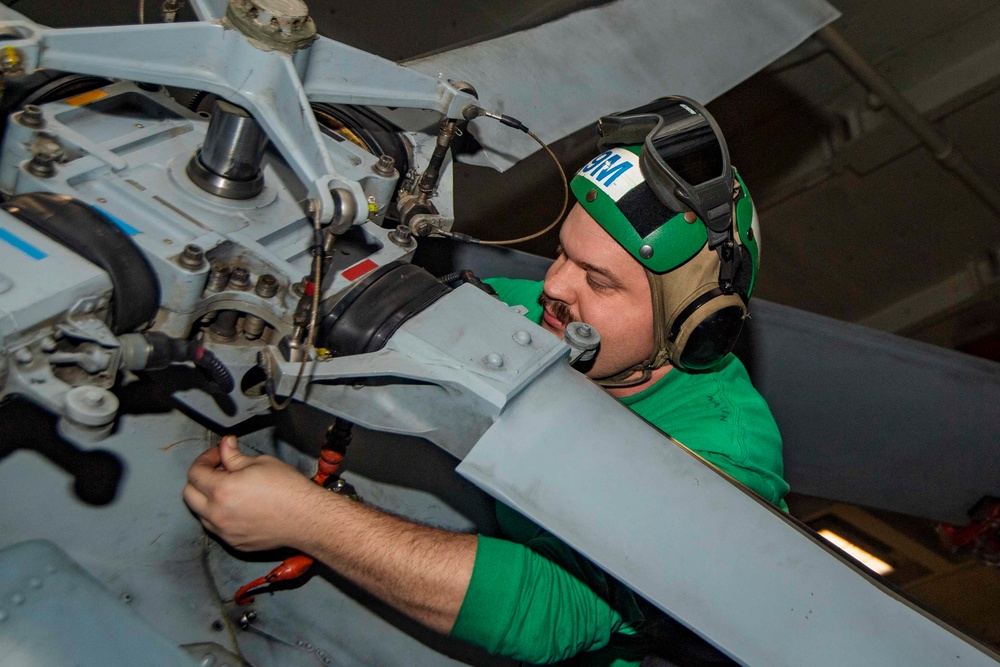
column 533, row 598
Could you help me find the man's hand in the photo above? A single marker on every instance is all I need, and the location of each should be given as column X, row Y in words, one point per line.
column 252, row 502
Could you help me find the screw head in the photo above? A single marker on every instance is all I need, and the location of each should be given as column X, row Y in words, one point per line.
column 239, row 278
column 385, row 166
column 267, row 286
column 31, row 116
column 192, row 257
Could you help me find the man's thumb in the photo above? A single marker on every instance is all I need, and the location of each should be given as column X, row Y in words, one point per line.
column 229, row 452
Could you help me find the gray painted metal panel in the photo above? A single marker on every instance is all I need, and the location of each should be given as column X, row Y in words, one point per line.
column 875, row 419
column 52, row 613
column 648, row 47
column 717, row 558
column 866, row 417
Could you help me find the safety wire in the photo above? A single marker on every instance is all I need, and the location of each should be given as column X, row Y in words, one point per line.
column 313, row 318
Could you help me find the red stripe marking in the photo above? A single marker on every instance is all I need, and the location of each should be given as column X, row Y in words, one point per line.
column 359, row 269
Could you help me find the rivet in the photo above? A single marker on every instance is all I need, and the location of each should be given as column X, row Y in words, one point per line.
column 17, row 598
column 3, row 615
column 493, row 360
column 35, row 582
column 591, row 195
column 51, row 569
column 690, row 217
column 646, row 251
column 522, row 338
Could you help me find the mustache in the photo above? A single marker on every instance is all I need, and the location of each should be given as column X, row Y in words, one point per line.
column 556, row 307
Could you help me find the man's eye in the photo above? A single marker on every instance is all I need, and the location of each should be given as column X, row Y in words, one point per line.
column 596, row 285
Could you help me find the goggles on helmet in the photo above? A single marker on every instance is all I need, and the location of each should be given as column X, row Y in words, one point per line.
column 685, row 158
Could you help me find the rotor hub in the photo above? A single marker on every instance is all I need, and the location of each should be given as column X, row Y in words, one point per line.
column 283, row 25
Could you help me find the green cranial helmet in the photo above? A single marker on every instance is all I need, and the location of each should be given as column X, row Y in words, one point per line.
column 663, row 188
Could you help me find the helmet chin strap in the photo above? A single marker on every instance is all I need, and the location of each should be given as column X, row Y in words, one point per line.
column 658, row 358
column 625, row 379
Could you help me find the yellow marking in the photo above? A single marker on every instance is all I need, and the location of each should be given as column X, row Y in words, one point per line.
column 85, row 98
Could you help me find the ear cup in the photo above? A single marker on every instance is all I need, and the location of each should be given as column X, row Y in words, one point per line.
column 707, row 331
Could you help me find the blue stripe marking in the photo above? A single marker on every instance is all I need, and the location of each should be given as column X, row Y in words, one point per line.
column 124, row 226
column 22, row 245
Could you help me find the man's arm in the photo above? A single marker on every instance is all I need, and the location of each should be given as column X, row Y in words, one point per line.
column 259, row 502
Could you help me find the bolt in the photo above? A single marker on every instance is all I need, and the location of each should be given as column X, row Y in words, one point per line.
column 493, row 360
column 253, row 327
column 31, row 116
column 385, row 166
column 12, row 61
column 267, row 286
column 247, row 618
column 522, row 338
column 218, row 278
column 46, row 154
column 239, row 278
column 584, row 330
column 49, row 344
column 207, row 660
column 192, row 257
column 88, row 307
column 24, row 356
column 401, row 236
column 93, row 398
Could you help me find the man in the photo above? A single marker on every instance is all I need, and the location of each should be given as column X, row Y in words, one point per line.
column 661, row 265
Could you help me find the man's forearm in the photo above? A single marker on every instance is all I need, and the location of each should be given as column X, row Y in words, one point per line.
column 422, row 571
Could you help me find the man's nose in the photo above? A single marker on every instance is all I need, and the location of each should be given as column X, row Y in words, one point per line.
column 559, row 281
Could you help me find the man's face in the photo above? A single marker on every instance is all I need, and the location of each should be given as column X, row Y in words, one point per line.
column 594, row 280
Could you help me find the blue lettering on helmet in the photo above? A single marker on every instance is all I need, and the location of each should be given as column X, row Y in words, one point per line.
column 596, row 162
column 612, row 171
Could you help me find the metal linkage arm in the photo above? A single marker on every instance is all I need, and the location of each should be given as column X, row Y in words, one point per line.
column 445, row 375
column 209, row 56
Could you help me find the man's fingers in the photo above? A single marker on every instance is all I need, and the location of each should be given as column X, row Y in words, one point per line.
column 203, row 471
column 209, row 458
column 195, row 499
column 232, row 458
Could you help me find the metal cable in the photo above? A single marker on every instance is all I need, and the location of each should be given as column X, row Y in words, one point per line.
column 562, row 212
column 313, row 319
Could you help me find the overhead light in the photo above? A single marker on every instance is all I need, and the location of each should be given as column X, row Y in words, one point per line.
column 873, row 563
